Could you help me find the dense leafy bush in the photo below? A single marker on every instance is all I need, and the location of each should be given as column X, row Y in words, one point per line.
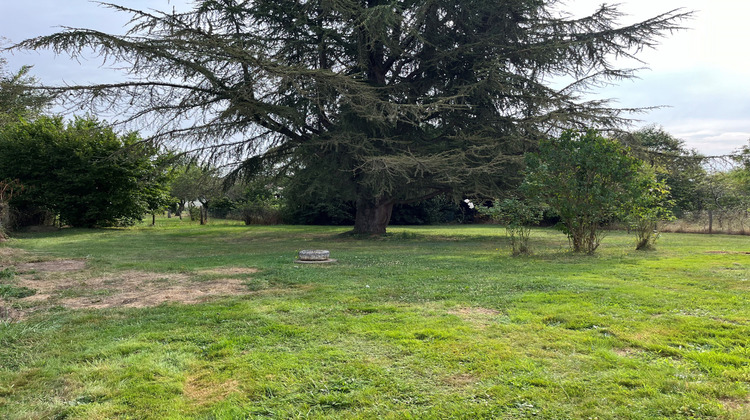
column 81, row 171
column 256, row 202
column 587, row 180
column 257, row 214
column 646, row 210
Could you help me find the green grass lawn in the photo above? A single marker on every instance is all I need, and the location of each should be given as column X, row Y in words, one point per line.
column 429, row 322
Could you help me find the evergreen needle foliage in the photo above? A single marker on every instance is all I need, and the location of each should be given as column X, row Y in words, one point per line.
column 18, row 98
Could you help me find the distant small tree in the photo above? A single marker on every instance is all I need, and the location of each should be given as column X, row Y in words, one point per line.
column 740, row 175
column 195, row 183
column 724, row 196
column 155, row 191
column 647, row 209
column 181, row 188
column 256, row 201
column 586, row 179
column 209, row 190
column 680, row 168
column 518, row 216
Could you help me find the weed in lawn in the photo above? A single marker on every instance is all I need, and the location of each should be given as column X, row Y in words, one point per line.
column 7, row 273
column 10, row 291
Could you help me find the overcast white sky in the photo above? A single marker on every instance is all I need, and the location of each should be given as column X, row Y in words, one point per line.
column 702, row 74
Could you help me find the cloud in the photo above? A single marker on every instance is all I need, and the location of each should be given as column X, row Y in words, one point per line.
column 711, row 137
column 706, row 107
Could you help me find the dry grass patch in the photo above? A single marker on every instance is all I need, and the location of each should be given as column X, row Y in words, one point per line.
column 68, row 283
column 201, row 390
column 475, row 311
column 229, row 271
column 627, row 352
column 9, row 256
column 53, row 266
column 740, row 405
column 460, row 380
column 129, row 289
column 8, row 313
column 478, row 316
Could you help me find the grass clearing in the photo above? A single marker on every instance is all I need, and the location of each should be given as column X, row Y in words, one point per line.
column 428, row 322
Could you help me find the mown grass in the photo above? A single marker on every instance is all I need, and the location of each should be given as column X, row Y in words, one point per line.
column 429, row 322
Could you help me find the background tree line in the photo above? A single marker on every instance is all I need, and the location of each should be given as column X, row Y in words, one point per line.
column 363, row 113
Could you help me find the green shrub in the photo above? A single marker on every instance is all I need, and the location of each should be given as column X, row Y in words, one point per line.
column 647, row 210
column 82, row 171
column 588, row 180
column 257, row 213
column 517, row 216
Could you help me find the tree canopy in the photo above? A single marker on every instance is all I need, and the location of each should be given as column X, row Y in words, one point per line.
column 194, row 183
column 682, row 169
column 389, row 101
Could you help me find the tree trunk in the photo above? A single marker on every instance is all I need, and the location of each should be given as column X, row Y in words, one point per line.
column 204, row 213
column 153, row 218
column 710, row 221
column 372, row 217
column 4, row 220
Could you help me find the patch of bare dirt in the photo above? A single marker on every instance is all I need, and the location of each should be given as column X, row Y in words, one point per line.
column 728, row 252
column 8, row 251
column 130, row 289
column 183, row 293
column 473, row 310
column 229, row 271
column 738, row 405
column 52, row 266
column 728, row 321
column 69, row 283
column 203, row 391
column 53, row 283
